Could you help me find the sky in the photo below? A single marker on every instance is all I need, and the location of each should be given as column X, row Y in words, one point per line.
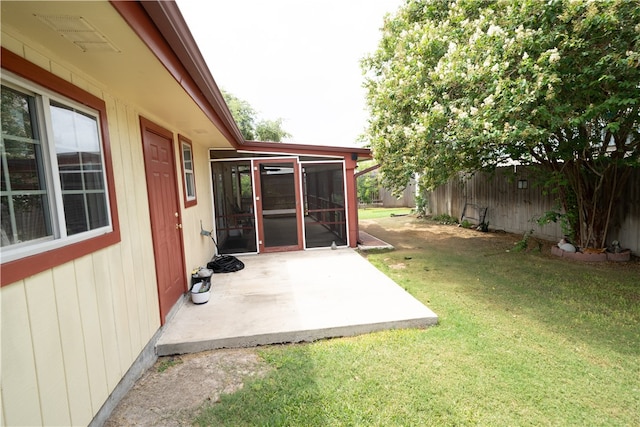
column 298, row 60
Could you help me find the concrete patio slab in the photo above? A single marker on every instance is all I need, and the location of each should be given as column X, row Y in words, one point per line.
column 293, row 297
column 367, row 242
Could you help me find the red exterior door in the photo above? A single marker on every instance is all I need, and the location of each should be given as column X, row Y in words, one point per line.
column 164, row 209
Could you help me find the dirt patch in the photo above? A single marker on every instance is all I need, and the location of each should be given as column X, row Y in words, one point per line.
column 170, row 392
column 412, row 233
column 398, row 266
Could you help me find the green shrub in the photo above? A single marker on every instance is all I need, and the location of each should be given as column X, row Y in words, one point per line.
column 445, row 219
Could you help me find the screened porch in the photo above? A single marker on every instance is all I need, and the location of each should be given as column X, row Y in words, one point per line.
column 269, row 204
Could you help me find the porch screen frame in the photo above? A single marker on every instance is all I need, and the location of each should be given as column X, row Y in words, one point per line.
column 344, row 192
column 214, row 230
column 300, row 164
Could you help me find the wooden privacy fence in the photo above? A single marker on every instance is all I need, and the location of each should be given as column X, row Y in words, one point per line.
column 513, row 204
column 385, row 198
column 407, row 199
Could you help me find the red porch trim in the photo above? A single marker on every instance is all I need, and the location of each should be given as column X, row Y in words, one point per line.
column 367, row 170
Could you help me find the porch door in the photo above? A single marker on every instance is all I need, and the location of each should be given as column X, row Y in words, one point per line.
column 278, row 205
column 164, row 210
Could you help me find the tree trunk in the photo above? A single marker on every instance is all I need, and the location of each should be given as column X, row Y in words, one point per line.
column 596, row 190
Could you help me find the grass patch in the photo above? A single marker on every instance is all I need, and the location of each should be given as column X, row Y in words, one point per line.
column 523, row 339
column 373, row 213
column 167, row 363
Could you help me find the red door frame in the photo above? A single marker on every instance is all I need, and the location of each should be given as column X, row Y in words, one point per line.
column 258, row 191
column 165, row 215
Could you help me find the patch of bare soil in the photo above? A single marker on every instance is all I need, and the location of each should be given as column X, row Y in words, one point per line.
column 170, row 392
column 409, row 232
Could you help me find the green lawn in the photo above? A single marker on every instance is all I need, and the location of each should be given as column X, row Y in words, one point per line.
column 524, row 339
column 373, row 213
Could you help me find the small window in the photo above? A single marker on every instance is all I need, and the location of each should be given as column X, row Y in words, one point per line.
column 189, row 181
column 52, row 181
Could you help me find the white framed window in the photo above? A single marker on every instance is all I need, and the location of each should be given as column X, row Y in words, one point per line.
column 53, row 186
column 189, row 178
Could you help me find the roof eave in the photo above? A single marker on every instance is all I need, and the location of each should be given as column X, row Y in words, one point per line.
column 260, row 146
column 171, row 41
column 170, row 26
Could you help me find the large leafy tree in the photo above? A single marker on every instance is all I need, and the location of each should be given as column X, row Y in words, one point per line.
column 243, row 113
column 469, row 85
column 245, row 116
column 271, row 130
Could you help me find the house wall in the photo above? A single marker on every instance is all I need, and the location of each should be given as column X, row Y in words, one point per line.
column 198, row 248
column 515, row 210
column 69, row 334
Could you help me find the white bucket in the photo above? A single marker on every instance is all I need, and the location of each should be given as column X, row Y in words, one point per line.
column 200, row 297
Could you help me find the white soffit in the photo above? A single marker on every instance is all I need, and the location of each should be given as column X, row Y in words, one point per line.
column 79, row 32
